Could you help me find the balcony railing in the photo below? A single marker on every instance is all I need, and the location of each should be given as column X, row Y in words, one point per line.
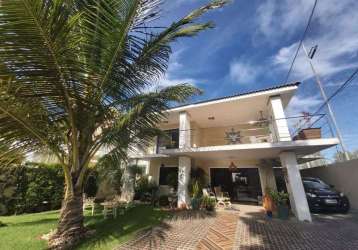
column 301, row 127
column 237, row 134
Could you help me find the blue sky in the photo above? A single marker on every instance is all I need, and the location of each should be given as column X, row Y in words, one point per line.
column 252, row 46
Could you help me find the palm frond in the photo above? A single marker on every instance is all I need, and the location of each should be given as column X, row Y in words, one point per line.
column 39, row 47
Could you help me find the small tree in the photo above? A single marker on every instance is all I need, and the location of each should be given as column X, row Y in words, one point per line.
column 75, row 77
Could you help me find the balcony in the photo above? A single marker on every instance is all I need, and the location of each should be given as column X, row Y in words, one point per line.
column 229, row 135
column 303, row 127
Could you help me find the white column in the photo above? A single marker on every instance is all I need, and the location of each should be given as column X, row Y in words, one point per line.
column 280, row 127
column 294, row 185
column 267, row 178
column 184, row 130
column 183, row 181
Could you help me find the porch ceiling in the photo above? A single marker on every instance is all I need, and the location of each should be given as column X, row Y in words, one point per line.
column 255, row 151
column 231, row 111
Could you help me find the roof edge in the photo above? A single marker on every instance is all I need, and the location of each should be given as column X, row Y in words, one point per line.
column 293, row 84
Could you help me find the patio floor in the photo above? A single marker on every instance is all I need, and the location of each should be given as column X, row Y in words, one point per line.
column 248, row 229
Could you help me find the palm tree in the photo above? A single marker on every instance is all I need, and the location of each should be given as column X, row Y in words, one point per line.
column 75, row 76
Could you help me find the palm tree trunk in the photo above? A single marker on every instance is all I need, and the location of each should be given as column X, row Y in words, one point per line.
column 127, row 192
column 70, row 228
column 71, row 216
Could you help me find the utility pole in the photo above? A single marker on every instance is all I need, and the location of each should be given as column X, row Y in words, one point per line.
column 330, row 110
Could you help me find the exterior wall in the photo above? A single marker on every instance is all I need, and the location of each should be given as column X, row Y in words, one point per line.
column 343, row 176
column 155, row 164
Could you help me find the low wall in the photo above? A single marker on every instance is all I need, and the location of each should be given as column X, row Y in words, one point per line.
column 343, row 175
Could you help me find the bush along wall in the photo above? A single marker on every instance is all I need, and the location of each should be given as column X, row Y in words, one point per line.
column 33, row 187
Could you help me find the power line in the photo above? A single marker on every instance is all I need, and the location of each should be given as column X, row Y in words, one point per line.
column 340, row 89
column 302, row 38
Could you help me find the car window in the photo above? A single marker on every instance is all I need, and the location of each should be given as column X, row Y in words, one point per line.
column 315, row 185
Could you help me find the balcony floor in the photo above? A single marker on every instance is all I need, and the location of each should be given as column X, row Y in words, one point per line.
column 250, row 151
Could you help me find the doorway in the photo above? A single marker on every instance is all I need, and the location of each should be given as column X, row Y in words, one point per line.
column 242, row 184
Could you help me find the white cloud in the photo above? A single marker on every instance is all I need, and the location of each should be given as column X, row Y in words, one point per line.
column 243, row 72
column 174, row 74
column 168, row 81
column 333, row 29
column 276, row 18
column 299, row 104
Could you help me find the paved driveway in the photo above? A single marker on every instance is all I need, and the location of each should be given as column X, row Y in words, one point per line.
column 326, row 232
column 247, row 229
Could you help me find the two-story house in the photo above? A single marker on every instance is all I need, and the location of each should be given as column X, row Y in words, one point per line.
column 233, row 139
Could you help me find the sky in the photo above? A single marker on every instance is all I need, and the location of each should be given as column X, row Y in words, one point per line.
column 252, row 47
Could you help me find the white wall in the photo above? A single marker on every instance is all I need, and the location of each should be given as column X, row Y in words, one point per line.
column 343, row 175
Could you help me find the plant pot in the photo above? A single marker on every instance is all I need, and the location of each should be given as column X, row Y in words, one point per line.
column 195, row 203
column 210, row 208
column 309, row 133
column 268, row 203
column 282, row 212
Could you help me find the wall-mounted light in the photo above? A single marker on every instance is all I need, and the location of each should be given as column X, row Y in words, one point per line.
column 232, row 166
column 211, row 118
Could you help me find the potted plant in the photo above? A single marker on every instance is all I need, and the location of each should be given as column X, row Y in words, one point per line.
column 307, row 132
column 195, row 200
column 208, row 203
column 281, row 201
column 268, row 202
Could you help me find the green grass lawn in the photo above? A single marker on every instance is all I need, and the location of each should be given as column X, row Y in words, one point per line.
column 24, row 231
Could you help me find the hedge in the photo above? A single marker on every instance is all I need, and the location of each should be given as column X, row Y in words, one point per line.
column 32, row 187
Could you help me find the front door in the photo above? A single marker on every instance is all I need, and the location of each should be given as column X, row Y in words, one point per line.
column 242, row 184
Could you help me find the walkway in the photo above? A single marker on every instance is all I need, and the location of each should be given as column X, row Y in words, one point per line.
column 248, row 229
column 183, row 232
column 327, row 232
column 221, row 235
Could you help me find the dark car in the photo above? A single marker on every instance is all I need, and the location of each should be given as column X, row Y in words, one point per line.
column 322, row 197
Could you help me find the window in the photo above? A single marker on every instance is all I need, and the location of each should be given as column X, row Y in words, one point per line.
column 165, row 172
column 169, row 140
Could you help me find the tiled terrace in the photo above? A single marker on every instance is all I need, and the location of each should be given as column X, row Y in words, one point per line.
column 248, row 229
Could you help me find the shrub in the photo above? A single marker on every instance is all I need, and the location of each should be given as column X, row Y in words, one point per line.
column 91, row 186
column 32, row 187
column 10, row 180
column 163, row 200
column 145, row 189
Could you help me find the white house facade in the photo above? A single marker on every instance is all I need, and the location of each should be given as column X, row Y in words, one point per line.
column 234, row 139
